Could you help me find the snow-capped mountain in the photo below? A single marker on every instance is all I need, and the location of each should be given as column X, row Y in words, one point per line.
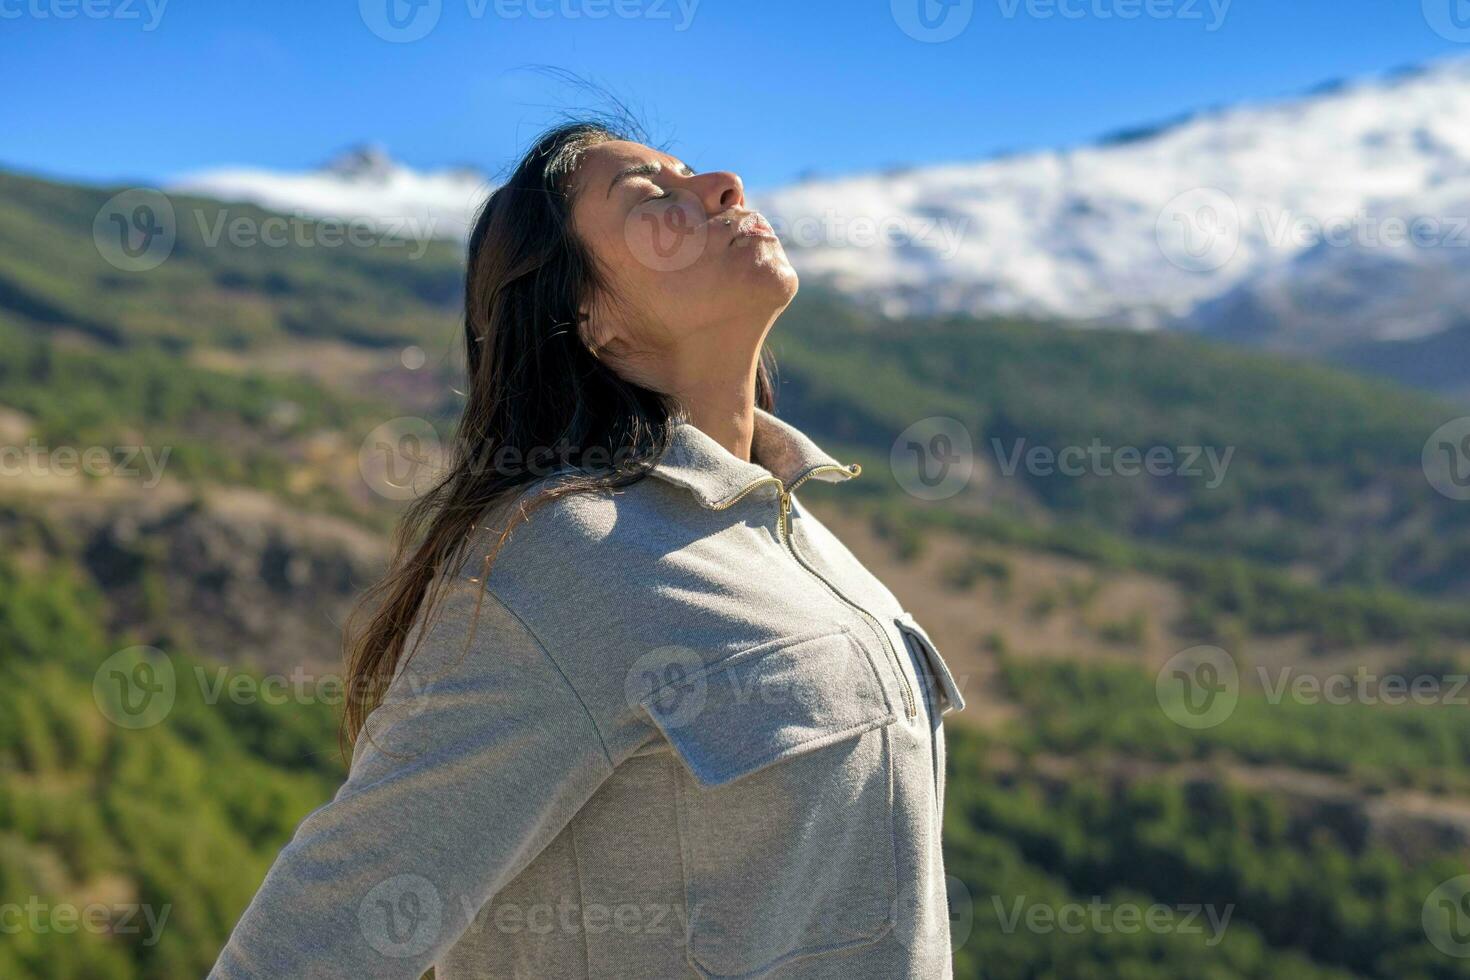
column 361, row 183
column 1276, row 213
column 1323, row 222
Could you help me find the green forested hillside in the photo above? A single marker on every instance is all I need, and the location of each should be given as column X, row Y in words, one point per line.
column 163, row 831
column 1325, row 471
column 1323, row 828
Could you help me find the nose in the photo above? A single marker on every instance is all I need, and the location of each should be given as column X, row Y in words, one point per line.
column 718, row 190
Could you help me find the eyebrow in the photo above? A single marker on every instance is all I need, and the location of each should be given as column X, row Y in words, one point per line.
column 649, row 169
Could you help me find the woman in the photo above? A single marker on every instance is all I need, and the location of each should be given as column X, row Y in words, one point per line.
column 627, row 710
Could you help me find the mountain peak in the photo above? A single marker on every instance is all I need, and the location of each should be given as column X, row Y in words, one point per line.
column 362, row 160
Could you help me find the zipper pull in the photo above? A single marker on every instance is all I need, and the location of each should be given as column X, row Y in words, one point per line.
column 785, row 513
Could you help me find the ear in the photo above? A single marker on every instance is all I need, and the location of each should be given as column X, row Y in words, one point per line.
column 596, row 329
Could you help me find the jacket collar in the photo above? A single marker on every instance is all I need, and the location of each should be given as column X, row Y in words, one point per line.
column 717, row 476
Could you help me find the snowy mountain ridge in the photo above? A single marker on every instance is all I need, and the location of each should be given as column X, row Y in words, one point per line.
column 1314, row 223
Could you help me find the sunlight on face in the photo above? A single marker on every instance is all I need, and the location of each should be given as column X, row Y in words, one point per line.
column 688, row 262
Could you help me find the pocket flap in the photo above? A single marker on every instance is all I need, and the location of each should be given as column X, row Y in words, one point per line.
column 950, row 698
column 770, row 702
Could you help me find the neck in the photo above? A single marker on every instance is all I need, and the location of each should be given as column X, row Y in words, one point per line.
column 717, row 388
column 725, row 413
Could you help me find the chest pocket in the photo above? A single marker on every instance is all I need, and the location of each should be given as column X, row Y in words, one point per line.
column 785, row 797
column 941, row 693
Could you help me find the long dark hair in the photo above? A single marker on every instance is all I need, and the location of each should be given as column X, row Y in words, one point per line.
column 533, row 387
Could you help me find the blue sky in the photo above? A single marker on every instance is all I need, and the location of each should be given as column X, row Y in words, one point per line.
column 131, row 90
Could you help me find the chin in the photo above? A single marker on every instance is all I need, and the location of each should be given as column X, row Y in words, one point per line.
column 772, row 275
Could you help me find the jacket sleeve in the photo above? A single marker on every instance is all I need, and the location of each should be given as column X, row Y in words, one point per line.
column 477, row 758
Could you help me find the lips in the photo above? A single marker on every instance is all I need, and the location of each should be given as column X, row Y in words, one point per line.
column 754, row 225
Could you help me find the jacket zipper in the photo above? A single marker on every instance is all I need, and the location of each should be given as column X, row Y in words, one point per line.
column 784, row 532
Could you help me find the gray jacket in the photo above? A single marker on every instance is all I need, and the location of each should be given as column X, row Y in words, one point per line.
column 691, row 737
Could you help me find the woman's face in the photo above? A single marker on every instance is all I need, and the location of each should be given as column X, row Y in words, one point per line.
column 689, row 266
